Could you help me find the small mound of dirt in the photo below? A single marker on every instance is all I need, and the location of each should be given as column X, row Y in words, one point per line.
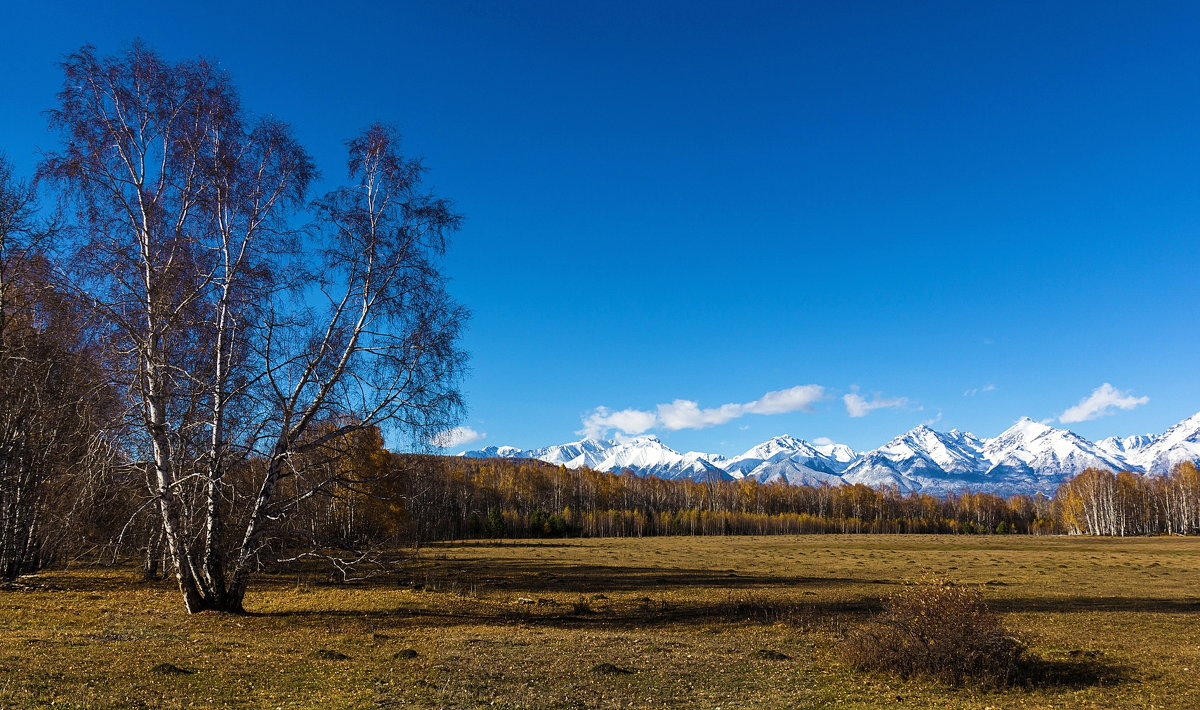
column 330, row 655
column 170, row 669
column 405, row 653
column 610, row 669
column 770, row 655
column 1084, row 653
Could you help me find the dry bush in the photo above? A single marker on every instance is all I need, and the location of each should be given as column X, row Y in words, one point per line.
column 941, row 630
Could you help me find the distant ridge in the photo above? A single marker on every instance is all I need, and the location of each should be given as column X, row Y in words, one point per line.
column 1028, row 457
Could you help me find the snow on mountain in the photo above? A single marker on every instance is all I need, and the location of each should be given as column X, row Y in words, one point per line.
column 1123, row 447
column 494, row 452
column 716, row 459
column 1027, row 457
column 786, row 458
column 643, row 455
column 840, row 453
column 1179, row 443
column 1029, row 449
column 921, row 459
column 577, row 454
column 647, row 456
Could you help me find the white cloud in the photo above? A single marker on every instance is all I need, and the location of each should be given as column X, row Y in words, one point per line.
column 457, row 436
column 629, row 421
column 1101, row 402
column 934, row 420
column 800, row 397
column 859, row 406
column 979, row 390
column 822, row 441
column 688, row 414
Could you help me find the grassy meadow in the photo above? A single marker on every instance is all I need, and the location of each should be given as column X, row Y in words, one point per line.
column 680, row 622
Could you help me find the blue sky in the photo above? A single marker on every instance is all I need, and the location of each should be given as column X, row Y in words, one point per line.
column 967, row 212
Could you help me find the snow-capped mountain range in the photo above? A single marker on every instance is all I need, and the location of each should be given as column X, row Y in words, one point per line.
column 1027, row 457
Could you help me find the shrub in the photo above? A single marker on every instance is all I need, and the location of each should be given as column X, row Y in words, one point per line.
column 941, row 630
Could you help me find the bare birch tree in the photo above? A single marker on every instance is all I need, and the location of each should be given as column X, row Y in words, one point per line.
column 242, row 338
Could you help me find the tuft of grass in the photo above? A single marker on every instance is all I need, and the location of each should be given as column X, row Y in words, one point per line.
column 170, row 669
column 330, row 655
column 769, row 655
column 610, row 669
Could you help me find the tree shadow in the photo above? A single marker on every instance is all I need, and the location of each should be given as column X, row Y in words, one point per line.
column 743, row 606
column 551, row 576
column 87, row 581
column 501, row 542
column 1066, row 605
column 1075, row 673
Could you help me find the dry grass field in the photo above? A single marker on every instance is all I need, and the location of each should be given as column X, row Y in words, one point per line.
column 738, row 622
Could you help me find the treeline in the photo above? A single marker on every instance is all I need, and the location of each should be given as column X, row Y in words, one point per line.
column 438, row 498
column 1098, row 502
column 460, row 498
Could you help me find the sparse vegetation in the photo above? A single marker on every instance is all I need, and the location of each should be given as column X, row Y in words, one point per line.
column 1113, row 620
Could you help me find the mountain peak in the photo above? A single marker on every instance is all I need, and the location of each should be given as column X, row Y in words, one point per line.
column 785, row 442
column 786, row 439
column 912, row 437
column 1026, row 428
column 642, row 440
